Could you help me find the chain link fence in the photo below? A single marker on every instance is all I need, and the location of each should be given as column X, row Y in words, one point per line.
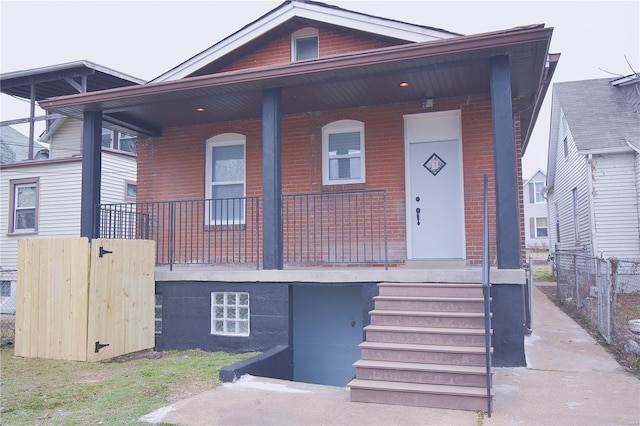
column 604, row 291
column 7, row 291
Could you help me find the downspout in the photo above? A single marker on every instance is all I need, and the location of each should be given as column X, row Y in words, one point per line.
column 592, row 215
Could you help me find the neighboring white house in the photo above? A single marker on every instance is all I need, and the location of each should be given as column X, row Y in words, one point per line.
column 535, row 211
column 40, row 197
column 593, row 183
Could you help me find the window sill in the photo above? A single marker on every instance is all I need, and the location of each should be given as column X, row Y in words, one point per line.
column 344, row 187
column 19, row 234
column 230, row 227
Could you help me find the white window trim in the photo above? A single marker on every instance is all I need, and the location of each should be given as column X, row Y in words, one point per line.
column 342, row 126
column 128, row 183
column 306, row 32
column 224, row 319
column 14, row 185
column 224, row 139
column 536, row 227
column 535, row 198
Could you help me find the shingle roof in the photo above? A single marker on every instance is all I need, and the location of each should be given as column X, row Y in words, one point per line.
column 599, row 115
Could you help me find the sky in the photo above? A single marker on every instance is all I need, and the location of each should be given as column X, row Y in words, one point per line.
column 596, row 39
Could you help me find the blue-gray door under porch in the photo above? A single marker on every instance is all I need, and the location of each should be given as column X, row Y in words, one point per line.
column 327, row 329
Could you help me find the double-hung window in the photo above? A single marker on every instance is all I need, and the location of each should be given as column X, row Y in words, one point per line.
column 343, row 153
column 304, row 44
column 24, row 206
column 225, row 179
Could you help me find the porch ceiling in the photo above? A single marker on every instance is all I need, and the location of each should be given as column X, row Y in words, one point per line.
column 444, row 68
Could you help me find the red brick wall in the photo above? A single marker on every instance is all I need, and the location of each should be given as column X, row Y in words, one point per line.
column 172, row 167
column 331, row 42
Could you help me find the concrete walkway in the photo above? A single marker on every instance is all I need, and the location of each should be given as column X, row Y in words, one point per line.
column 569, row 380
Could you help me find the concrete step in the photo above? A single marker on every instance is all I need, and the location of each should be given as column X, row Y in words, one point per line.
column 427, row 319
column 430, row 289
column 429, row 354
column 427, row 303
column 410, row 372
column 419, row 395
column 425, row 336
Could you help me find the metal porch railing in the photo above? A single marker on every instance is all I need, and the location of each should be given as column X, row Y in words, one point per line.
column 486, row 289
column 335, row 228
column 213, row 231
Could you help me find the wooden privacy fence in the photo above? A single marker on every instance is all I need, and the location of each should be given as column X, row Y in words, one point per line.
column 84, row 301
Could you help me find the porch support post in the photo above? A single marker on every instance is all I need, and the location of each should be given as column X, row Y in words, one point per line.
column 91, row 172
column 272, row 253
column 508, row 228
column 507, row 298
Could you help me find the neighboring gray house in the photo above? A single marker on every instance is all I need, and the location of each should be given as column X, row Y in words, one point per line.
column 535, row 211
column 593, row 183
column 40, row 197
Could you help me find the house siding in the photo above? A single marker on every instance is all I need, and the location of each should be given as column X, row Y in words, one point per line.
column 570, row 173
column 116, row 170
column 615, row 200
column 58, row 209
column 66, row 141
column 172, row 167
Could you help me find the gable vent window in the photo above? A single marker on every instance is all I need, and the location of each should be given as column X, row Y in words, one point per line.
column 304, row 44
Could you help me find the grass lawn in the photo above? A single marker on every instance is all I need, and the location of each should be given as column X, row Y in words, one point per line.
column 116, row 392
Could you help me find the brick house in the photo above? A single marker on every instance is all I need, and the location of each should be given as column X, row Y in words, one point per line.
column 292, row 169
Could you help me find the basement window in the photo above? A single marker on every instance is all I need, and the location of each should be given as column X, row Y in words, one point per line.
column 304, row 44
column 230, row 313
column 158, row 316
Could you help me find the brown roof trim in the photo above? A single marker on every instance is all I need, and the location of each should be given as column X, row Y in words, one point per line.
column 503, row 38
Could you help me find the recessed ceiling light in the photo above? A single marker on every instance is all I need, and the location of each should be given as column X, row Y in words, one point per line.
column 404, row 84
column 200, row 109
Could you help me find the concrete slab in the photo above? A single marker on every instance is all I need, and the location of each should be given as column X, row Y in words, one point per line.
column 569, row 380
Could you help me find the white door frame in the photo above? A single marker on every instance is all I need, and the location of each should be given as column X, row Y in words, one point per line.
column 441, row 128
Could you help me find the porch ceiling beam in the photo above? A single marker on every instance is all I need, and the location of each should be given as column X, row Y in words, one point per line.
column 121, row 121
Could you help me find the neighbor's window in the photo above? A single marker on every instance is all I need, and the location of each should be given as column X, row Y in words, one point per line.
column 130, row 190
column 542, row 229
column 230, row 313
column 574, row 204
column 24, row 206
column 304, row 44
column 225, row 179
column 5, row 289
column 555, row 208
column 158, row 316
column 119, row 140
column 538, row 187
column 343, row 153
column 565, row 147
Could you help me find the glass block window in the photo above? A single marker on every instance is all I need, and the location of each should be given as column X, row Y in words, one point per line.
column 225, row 175
column 230, row 313
column 304, row 44
column 158, row 313
column 343, row 152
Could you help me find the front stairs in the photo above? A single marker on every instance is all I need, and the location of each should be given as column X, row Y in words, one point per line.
column 425, row 347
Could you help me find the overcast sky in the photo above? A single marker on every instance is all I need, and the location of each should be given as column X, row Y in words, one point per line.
column 146, row 38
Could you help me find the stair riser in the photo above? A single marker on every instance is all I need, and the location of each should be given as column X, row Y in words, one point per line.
column 454, row 402
column 430, row 321
column 434, row 357
column 424, row 377
column 426, row 338
column 429, row 306
column 430, row 291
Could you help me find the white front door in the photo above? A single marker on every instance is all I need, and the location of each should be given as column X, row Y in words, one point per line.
column 435, row 203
